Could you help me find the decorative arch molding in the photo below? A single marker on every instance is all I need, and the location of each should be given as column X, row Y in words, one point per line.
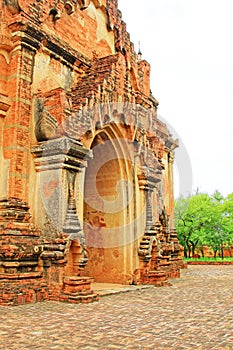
column 113, row 130
column 5, row 54
column 120, row 143
column 121, row 146
column 97, row 3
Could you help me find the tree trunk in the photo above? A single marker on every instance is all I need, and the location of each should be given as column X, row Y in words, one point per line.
column 188, row 247
column 222, row 253
column 189, row 252
column 202, row 252
column 193, row 244
column 193, row 251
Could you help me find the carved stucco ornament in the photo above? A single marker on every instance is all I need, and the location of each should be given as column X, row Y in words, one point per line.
column 13, row 6
column 46, row 125
column 83, row 4
column 70, row 6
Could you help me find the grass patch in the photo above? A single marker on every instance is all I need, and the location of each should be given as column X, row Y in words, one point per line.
column 230, row 259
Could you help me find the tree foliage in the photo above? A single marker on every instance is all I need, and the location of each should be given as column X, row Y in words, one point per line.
column 202, row 219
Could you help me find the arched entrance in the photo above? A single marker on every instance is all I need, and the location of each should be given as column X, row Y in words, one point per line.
column 108, row 211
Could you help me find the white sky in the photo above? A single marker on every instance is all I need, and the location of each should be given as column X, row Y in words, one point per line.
column 189, row 44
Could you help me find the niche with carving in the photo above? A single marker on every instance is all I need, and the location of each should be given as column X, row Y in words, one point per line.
column 54, row 14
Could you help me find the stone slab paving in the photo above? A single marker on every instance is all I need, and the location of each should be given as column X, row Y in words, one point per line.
column 103, row 289
column 196, row 312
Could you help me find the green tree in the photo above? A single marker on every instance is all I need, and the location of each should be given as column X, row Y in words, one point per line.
column 181, row 207
column 216, row 237
column 227, row 219
column 193, row 216
column 204, row 220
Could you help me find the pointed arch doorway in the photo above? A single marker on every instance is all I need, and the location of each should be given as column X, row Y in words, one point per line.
column 108, row 210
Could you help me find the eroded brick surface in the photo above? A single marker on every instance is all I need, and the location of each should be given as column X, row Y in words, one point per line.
column 74, row 93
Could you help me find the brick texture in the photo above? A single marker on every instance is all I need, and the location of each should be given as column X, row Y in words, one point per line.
column 70, row 81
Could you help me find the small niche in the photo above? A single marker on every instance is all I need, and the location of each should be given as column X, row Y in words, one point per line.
column 69, row 7
column 84, row 4
column 54, row 14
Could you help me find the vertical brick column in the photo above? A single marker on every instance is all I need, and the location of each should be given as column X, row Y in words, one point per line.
column 18, row 121
column 21, row 278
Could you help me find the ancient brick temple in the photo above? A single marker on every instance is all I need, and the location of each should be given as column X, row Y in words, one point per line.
column 86, row 168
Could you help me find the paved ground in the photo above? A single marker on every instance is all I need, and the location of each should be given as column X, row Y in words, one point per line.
column 103, row 289
column 195, row 313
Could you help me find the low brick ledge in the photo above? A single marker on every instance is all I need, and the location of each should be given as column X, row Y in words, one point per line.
column 17, row 276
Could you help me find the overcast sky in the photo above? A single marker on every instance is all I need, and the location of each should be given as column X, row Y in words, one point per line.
column 189, row 45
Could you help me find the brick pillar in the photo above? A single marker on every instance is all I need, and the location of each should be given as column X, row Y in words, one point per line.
column 64, row 257
column 21, row 278
column 149, row 248
column 18, row 121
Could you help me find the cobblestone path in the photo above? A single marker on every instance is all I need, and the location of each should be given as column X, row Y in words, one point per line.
column 196, row 312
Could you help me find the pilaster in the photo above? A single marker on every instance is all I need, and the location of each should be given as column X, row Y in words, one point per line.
column 149, row 249
column 17, row 126
column 64, row 257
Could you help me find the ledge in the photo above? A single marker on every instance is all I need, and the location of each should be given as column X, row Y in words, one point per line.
column 21, row 276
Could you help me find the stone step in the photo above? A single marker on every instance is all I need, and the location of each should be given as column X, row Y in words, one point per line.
column 158, row 278
column 79, row 298
column 77, row 289
column 78, row 282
